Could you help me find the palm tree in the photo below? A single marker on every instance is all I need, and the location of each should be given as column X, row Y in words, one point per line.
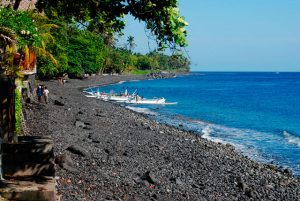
column 131, row 47
column 44, row 30
column 131, row 43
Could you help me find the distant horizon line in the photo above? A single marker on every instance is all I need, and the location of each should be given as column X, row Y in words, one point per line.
column 249, row 71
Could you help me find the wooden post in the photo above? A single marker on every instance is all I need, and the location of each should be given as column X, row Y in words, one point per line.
column 7, row 109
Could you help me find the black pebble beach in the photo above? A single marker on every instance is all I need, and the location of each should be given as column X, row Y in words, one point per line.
column 107, row 152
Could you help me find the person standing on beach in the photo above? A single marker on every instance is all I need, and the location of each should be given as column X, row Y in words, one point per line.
column 46, row 95
column 40, row 94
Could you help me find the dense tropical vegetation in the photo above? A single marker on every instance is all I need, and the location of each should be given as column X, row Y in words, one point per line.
column 21, row 33
column 79, row 37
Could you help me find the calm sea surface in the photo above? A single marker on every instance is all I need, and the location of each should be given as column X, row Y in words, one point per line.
column 259, row 113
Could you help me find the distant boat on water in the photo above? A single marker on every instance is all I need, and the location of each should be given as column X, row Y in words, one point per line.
column 277, row 73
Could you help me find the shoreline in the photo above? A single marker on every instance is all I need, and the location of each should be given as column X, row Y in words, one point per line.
column 122, row 145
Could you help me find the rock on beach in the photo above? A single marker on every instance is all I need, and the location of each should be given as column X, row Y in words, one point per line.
column 123, row 155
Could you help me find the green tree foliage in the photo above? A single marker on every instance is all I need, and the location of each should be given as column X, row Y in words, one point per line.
column 74, row 48
column 58, row 49
column 25, row 30
column 106, row 16
column 20, row 33
column 86, row 53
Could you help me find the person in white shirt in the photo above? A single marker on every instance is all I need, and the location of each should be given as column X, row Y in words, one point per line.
column 46, row 95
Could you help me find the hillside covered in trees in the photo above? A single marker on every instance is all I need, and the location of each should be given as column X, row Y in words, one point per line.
column 89, row 52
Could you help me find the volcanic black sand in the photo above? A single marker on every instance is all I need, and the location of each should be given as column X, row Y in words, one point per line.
column 107, row 152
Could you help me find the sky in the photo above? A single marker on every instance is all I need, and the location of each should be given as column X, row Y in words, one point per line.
column 231, row 35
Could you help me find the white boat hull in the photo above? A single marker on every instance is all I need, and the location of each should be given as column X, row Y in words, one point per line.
column 118, row 98
column 126, row 99
column 148, row 101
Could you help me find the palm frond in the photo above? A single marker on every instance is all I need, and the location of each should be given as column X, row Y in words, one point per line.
column 6, row 39
column 47, row 27
column 44, row 53
column 43, row 45
column 8, row 35
column 47, row 38
column 10, row 49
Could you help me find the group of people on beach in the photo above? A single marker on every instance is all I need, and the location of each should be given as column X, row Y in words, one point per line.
column 61, row 81
column 42, row 92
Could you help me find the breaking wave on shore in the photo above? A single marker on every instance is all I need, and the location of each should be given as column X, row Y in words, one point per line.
column 291, row 138
column 141, row 110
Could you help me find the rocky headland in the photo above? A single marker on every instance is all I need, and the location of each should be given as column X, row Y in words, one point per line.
column 107, row 152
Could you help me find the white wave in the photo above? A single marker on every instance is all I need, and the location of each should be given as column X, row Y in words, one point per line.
column 141, row 110
column 121, row 82
column 291, row 138
column 200, row 122
column 245, row 149
column 206, row 134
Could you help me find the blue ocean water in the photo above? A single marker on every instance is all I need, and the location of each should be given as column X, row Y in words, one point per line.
column 257, row 112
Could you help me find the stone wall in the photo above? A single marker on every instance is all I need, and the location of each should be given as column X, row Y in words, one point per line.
column 24, row 4
column 28, row 90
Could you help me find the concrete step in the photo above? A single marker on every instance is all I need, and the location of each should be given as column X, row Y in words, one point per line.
column 35, row 139
column 31, row 169
column 27, row 148
column 28, row 190
column 39, row 158
column 29, row 144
